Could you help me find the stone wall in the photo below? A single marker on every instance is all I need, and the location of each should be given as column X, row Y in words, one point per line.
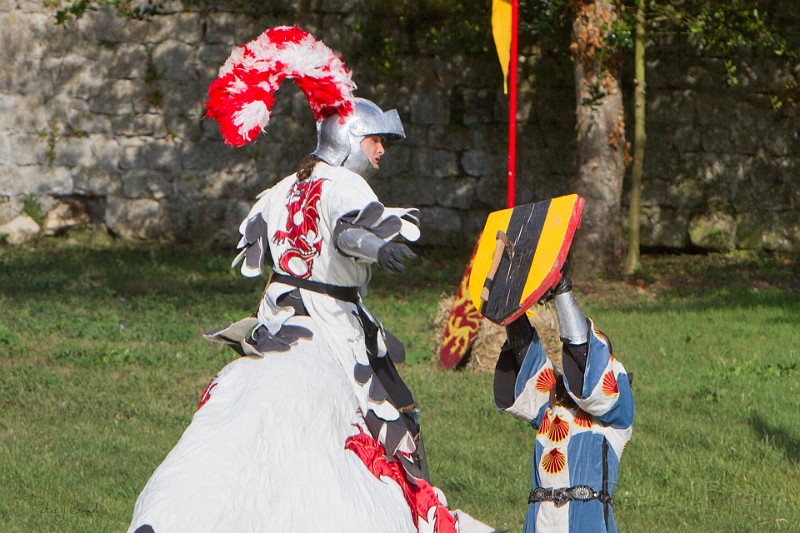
column 101, row 123
column 723, row 163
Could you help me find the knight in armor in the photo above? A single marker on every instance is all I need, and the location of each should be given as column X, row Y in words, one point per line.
column 312, row 428
column 581, row 405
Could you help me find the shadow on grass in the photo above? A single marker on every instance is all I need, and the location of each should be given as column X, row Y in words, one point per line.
column 692, row 276
column 739, row 301
column 677, row 282
column 177, row 271
column 776, row 437
column 703, row 283
column 123, row 271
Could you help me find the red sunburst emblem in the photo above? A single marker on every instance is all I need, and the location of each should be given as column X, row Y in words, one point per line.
column 610, row 387
column 553, row 461
column 559, row 429
column 583, row 419
column 544, row 427
column 546, row 380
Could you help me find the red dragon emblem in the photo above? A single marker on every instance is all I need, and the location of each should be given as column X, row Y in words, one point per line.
column 302, row 229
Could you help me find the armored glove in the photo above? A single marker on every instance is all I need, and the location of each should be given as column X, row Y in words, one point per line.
column 391, row 256
column 563, row 285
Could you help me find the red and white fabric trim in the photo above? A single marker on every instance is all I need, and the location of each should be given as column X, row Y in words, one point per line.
column 241, row 98
column 427, row 511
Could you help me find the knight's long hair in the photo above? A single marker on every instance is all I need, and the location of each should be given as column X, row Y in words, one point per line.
column 306, row 167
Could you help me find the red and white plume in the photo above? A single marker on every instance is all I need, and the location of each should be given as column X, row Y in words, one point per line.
column 241, row 97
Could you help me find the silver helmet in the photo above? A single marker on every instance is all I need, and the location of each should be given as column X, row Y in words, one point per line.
column 339, row 143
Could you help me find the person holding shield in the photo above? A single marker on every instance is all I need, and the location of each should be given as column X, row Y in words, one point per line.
column 581, row 405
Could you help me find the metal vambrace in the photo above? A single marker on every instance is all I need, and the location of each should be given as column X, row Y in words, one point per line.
column 359, row 243
column 573, row 326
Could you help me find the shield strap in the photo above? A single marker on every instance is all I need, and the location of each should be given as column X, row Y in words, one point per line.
column 506, row 287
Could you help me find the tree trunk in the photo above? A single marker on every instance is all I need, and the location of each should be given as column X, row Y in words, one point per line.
column 597, row 250
column 632, row 261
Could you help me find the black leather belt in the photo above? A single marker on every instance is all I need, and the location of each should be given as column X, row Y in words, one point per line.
column 559, row 497
column 347, row 294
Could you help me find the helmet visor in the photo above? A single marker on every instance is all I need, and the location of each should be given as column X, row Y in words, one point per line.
column 387, row 123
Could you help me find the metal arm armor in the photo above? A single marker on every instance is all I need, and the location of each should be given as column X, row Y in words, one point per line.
column 360, row 243
column 572, row 324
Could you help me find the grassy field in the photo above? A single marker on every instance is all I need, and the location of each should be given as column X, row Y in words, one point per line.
column 102, row 365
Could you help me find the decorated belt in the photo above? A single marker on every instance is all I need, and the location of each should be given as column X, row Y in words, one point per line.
column 559, row 497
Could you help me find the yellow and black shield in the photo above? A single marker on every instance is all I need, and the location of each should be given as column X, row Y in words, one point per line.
column 520, row 255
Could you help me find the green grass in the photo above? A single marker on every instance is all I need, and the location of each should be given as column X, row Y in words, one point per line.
column 102, row 365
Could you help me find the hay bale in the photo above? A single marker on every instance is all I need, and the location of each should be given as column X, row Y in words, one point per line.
column 483, row 354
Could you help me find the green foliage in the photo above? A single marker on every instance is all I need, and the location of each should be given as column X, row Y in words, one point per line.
column 103, row 365
column 391, row 30
column 50, row 136
column 32, row 207
column 433, row 26
column 550, row 20
column 595, row 98
column 621, row 35
column 7, row 338
column 394, row 30
column 544, row 20
column 75, row 9
column 547, row 24
column 725, row 29
column 152, row 77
